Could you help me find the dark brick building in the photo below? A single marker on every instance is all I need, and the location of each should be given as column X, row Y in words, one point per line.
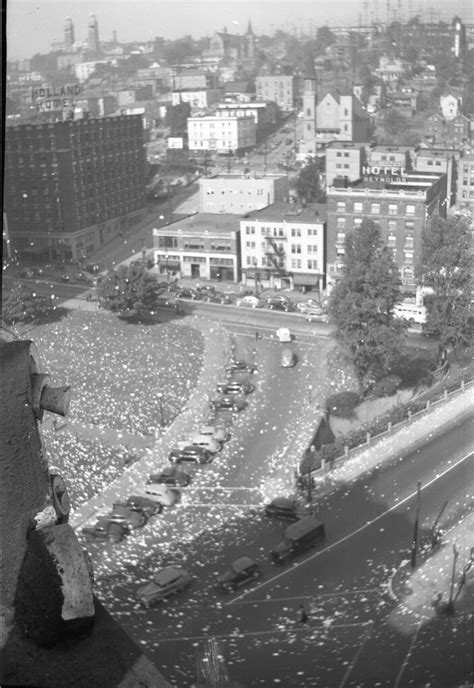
column 71, row 186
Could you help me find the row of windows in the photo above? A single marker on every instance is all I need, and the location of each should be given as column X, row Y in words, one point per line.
column 296, row 263
column 391, row 240
column 280, row 232
column 375, row 208
column 294, row 248
column 393, row 225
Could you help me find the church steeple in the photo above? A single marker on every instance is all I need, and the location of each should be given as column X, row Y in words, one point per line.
column 249, row 29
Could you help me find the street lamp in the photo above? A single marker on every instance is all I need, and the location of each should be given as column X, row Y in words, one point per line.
column 160, row 401
column 414, row 547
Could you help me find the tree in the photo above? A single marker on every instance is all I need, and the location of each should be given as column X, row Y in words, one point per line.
column 129, row 289
column 307, row 184
column 23, row 305
column 361, row 305
column 446, row 268
column 176, row 118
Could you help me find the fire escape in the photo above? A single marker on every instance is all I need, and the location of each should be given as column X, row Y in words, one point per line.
column 276, row 255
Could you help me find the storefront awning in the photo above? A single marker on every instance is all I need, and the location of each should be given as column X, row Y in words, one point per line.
column 306, row 280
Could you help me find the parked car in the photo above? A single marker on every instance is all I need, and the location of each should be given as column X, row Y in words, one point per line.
column 205, row 441
column 240, row 367
column 166, row 299
column 134, row 517
column 220, row 434
column 147, row 505
column 298, row 538
column 64, row 278
column 164, row 583
column 315, row 317
column 288, row 358
column 241, row 571
column 249, row 302
column 284, row 335
column 172, row 476
column 192, row 453
column 27, row 273
column 183, row 293
column 286, row 509
column 235, row 387
column 287, row 307
column 306, row 307
column 162, row 494
column 106, row 529
column 229, row 403
column 83, row 277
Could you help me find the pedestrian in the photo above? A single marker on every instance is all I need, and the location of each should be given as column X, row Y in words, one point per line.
column 303, row 614
column 257, row 336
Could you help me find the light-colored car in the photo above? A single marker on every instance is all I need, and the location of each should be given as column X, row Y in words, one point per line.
column 235, row 387
column 283, row 334
column 162, row 494
column 316, row 317
column 205, row 441
column 164, row 583
column 249, row 302
column 309, row 308
column 219, row 434
column 287, row 358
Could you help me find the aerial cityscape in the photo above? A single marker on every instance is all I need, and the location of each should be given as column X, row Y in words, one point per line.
column 237, row 316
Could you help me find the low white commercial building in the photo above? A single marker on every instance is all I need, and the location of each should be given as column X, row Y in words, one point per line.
column 221, row 134
column 284, row 246
column 241, row 193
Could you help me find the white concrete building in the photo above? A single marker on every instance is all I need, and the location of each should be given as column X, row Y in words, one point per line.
column 221, row 134
column 238, row 194
column 284, row 246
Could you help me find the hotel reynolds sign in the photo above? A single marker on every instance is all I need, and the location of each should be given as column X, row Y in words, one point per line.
column 54, row 98
column 383, row 174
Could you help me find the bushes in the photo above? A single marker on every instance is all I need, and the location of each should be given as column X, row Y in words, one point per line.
column 343, row 404
column 386, row 386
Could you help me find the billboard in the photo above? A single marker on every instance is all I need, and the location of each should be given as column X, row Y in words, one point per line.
column 54, row 97
column 175, row 142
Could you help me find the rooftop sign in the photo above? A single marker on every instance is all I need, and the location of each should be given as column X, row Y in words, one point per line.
column 375, row 173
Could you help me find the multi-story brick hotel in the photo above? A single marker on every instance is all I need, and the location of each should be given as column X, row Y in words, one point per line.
column 71, row 186
column 399, row 202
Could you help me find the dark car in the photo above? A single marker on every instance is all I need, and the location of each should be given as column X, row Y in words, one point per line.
column 240, row 367
column 64, row 278
column 228, row 403
column 193, row 453
column 277, row 305
column 235, row 387
column 106, row 529
column 298, row 538
column 27, row 273
column 148, row 506
column 134, row 517
column 171, row 476
column 241, row 571
column 285, row 509
column 83, row 277
column 187, row 294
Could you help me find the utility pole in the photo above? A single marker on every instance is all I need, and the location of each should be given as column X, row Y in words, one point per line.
column 433, row 531
column 414, row 546
column 450, row 605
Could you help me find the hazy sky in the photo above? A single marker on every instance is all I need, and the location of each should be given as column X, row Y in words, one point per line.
column 32, row 26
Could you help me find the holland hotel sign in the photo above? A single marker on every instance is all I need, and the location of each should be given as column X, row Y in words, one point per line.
column 383, row 174
column 54, row 98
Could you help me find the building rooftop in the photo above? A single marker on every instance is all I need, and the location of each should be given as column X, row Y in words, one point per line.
column 198, row 224
column 244, row 178
column 281, row 212
column 348, row 145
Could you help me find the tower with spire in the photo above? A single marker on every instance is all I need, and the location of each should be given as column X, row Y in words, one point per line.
column 310, row 102
column 68, row 34
column 250, row 41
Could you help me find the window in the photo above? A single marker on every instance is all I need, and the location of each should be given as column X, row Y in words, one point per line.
column 409, row 242
column 341, row 237
column 392, row 225
column 296, row 248
column 392, row 208
column 341, row 222
column 410, row 210
column 375, row 208
column 357, row 207
column 341, row 206
column 408, row 256
column 312, row 264
column 339, row 155
column 295, row 232
column 357, row 222
column 392, row 240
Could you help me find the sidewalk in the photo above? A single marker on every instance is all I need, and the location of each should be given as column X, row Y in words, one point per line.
column 426, row 589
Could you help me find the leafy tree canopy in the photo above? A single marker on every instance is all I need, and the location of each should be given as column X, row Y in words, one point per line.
column 446, row 268
column 23, row 304
column 361, row 305
column 307, row 184
column 128, row 289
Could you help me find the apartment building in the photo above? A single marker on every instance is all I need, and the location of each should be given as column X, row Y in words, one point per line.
column 344, row 162
column 221, row 134
column 465, row 182
column 284, row 246
column 282, row 89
